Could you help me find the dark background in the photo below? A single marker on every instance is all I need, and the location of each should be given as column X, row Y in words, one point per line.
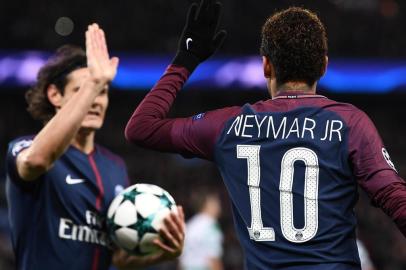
column 356, row 29
column 362, row 28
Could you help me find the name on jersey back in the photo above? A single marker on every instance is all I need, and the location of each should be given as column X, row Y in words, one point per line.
column 270, row 127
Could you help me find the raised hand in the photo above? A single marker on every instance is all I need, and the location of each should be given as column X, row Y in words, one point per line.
column 102, row 69
column 200, row 38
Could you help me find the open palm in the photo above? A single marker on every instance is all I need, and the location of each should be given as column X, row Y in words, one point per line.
column 102, row 69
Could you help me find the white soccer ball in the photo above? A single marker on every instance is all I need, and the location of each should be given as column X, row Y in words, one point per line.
column 135, row 217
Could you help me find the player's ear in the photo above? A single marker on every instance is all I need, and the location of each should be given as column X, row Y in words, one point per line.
column 268, row 68
column 54, row 96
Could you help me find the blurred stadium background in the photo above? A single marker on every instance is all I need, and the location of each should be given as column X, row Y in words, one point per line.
column 367, row 44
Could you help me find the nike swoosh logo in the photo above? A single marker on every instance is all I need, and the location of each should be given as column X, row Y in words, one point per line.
column 187, row 43
column 72, row 181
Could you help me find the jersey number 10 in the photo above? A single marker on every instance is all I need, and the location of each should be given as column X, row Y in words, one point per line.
column 257, row 230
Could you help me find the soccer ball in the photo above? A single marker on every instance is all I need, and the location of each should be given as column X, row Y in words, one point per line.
column 136, row 215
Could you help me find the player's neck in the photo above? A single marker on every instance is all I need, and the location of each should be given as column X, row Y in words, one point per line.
column 84, row 141
column 294, row 88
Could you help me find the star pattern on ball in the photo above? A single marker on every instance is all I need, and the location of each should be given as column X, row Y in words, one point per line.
column 144, row 225
column 136, row 217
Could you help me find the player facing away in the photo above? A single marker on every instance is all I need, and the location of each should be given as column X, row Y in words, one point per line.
column 59, row 182
column 291, row 163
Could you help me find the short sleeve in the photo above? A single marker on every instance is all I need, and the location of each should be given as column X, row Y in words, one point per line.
column 371, row 162
column 14, row 149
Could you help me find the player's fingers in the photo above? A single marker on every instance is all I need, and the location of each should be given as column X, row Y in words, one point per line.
column 191, row 16
column 169, row 238
column 216, row 15
column 88, row 43
column 94, row 56
column 96, row 27
column 164, row 247
column 179, row 219
column 205, row 4
column 98, row 39
column 89, row 36
column 101, row 58
column 182, row 220
column 172, row 224
column 205, row 9
column 200, row 10
column 119, row 257
column 114, row 62
column 219, row 39
column 104, row 44
column 181, row 216
column 95, row 38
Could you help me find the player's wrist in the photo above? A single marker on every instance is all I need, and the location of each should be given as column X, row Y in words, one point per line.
column 186, row 59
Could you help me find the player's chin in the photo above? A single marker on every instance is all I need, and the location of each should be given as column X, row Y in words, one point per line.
column 92, row 124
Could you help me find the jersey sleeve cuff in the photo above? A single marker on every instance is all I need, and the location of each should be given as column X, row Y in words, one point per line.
column 187, row 60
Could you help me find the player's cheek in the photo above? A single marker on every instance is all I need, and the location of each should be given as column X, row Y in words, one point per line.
column 105, row 106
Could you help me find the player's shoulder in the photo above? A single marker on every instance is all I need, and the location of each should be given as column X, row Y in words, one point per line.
column 18, row 144
column 349, row 112
column 110, row 156
column 226, row 112
column 342, row 106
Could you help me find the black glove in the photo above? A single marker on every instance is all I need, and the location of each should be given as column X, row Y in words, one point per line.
column 200, row 38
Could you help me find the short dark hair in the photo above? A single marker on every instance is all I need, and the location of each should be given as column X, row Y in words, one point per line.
column 295, row 42
column 55, row 71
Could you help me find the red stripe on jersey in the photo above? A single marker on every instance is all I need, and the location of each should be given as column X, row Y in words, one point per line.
column 99, row 197
column 96, row 258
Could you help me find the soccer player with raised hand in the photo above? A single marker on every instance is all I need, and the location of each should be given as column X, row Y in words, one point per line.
column 60, row 182
column 291, row 163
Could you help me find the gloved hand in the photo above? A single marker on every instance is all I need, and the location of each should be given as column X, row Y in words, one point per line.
column 200, row 38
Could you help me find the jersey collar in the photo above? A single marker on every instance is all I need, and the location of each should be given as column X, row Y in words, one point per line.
column 296, row 95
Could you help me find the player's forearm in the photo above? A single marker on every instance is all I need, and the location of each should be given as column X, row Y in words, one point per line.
column 392, row 200
column 52, row 141
column 148, row 125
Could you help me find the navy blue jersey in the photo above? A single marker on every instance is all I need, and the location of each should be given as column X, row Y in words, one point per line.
column 58, row 220
column 292, row 187
column 291, row 166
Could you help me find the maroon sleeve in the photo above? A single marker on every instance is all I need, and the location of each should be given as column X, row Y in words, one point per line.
column 194, row 136
column 375, row 171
